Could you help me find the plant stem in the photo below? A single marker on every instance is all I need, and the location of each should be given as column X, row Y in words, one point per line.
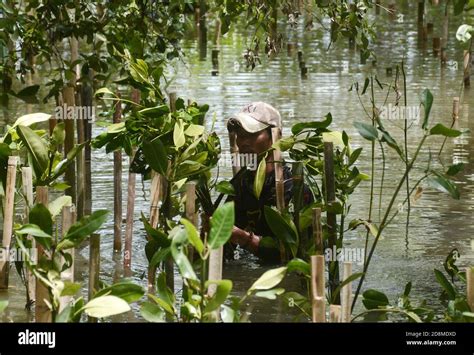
column 405, row 137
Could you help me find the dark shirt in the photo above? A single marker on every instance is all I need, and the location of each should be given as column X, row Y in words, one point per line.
column 249, row 212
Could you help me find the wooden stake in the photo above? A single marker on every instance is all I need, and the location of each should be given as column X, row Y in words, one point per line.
column 317, row 231
column 94, row 267
column 436, row 45
column 455, row 109
column 9, row 213
column 470, row 287
column 467, row 68
column 317, row 288
column 155, row 199
column 421, row 11
column 42, row 311
column 331, row 216
column 117, row 186
column 172, row 98
column 70, row 176
column 80, row 160
column 127, row 253
column 27, row 180
column 68, row 218
column 334, row 313
column 347, row 293
column 191, row 211
column 86, row 99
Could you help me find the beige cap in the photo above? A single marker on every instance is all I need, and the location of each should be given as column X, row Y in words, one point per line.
column 255, row 117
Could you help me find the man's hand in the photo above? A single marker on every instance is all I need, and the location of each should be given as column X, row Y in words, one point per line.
column 245, row 239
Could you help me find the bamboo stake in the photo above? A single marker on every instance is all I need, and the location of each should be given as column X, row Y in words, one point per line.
column 331, row 216
column 94, row 267
column 467, row 68
column 42, row 311
column 347, row 294
column 68, row 218
column 117, row 186
column 421, row 11
column 317, row 289
column 70, row 176
column 436, row 45
column 317, row 231
column 470, row 287
column 191, row 211
column 9, row 212
column 155, row 198
column 127, row 253
column 27, row 180
column 86, row 98
column 80, row 160
column 334, row 313
column 280, row 196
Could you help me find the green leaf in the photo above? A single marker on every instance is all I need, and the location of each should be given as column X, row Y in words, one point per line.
column 299, row 265
column 177, row 251
column 41, row 216
column 193, row 235
column 443, row 184
column 34, row 230
column 103, row 91
column 225, row 187
column 159, row 256
column 366, row 85
column 70, row 288
column 82, row 229
column 260, row 177
column 220, row 295
column 367, row 131
column 194, row 130
column 270, row 294
column 426, row 102
column 105, row 306
column 351, row 278
column 57, row 205
column 32, row 118
column 354, row 156
column 3, row 305
column 335, row 137
column 155, row 155
column 63, row 164
column 445, row 284
column 269, row 279
column 36, row 147
column 152, row 313
column 178, row 134
column 59, row 134
column 442, row 130
column 373, row 299
column 455, row 168
column 126, row 290
column 222, row 223
column 280, row 227
column 299, row 127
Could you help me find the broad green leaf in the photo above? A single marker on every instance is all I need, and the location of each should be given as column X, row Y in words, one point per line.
column 280, row 227
column 168, row 308
column 152, row 313
column 177, row 251
column 31, row 118
column 269, row 279
column 59, row 134
column 106, row 306
column 126, row 290
column 116, row 127
column 270, row 294
column 351, row 278
column 178, row 134
column 32, row 229
column 222, row 223
column 159, row 256
column 194, row 130
column 443, row 184
column 455, row 168
column 37, row 149
column 426, row 102
column 41, row 216
column 334, row 137
column 445, row 284
column 220, row 295
column 61, row 167
column 442, row 130
column 260, row 177
column 354, row 156
column 82, row 229
column 299, row 265
column 57, row 205
column 373, row 299
column 104, row 91
column 70, row 288
column 155, row 155
column 193, row 235
column 367, row 131
column 225, row 187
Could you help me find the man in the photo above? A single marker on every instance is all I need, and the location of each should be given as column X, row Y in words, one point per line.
column 252, row 127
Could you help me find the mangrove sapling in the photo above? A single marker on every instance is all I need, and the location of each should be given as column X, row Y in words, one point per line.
column 441, row 181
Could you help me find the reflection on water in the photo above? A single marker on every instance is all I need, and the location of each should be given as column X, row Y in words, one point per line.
column 438, row 223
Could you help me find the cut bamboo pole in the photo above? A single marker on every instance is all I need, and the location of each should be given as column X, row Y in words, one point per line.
column 331, row 216
column 317, row 289
column 70, row 175
column 279, row 183
column 155, row 199
column 27, row 181
column 421, row 11
column 127, row 252
column 42, row 311
column 334, row 313
column 9, row 213
column 467, row 68
column 117, row 186
column 470, row 287
column 68, row 218
column 94, row 267
column 317, row 231
column 347, row 293
column 172, row 98
column 455, row 109
column 86, row 99
column 191, row 211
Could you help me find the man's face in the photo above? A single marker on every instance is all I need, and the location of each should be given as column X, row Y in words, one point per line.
column 255, row 143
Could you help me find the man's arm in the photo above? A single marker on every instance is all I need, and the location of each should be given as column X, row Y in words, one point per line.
column 245, row 239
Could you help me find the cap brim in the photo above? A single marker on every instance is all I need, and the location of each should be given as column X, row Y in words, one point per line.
column 249, row 123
